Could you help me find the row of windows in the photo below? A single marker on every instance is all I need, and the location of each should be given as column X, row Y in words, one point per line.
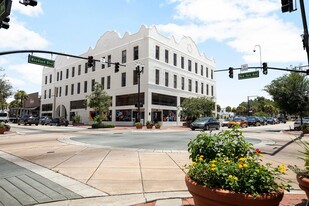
column 79, row 68
column 182, row 63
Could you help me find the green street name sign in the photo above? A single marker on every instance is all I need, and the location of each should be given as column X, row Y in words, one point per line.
column 40, row 61
column 248, row 75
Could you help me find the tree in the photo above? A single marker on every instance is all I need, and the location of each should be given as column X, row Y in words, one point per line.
column 218, row 108
column 21, row 96
column 228, row 109
column 99, row 101
column 196, row 107
column 290, row 93
column 6, row 90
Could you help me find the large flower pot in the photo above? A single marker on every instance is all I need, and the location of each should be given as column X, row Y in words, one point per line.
column 2, row 130
column 303, row 183
column 204, row 196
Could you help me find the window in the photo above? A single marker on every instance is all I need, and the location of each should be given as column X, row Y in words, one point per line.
column 85, row 87
column 44, row 94
column 60, row 75
column 182, row 62
column 190, row 85
column 73, row 71
column 86, row 68
column 45, row 79
column 108, row 82
column 182, row 83
column 135, row 53
column 49, row 93
column 102, row 82
column 166, row 100
column 207, row 89
column 202, row 70
column 79, row 70
column 195, row 68
column 175, row 81
column 78, row 104
column 207, row 72
column 60, row 90
column 212, row 91
column 157, row 52
column 66, row 90
column 175, row 60
column 123, row 79
column 157, row 76
column 67, row 74
column 93, row 67
column 166, row 56
column 78, row 88
column 135, row 77
column 124, row 56
column 212, row 74
column 92, row 84
column 189, row 65
column 57, row 76
column 202, row 88
column 129, row 99
column 103, row 65
column 50, row 78
column 109, row 60
column 124, row 115
column 166, row 79
column 56, row 91
column 72, row 89
column 196, row 87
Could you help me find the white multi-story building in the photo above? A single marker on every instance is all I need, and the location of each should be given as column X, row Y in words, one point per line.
column 172, row 72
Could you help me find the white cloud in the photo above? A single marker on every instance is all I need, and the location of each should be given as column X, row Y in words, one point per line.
column 28, row 10
column 26, row 74
column 240, row 24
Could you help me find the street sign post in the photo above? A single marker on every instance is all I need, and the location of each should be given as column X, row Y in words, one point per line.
column 40, row 61
column 248, row 75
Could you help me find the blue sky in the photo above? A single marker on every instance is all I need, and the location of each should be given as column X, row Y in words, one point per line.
column 226, row 30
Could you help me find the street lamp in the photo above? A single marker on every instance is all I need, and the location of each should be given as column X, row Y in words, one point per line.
column 260, row 53
column 139, row 69
column 249, row 103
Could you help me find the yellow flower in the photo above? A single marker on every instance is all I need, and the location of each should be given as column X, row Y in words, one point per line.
column 193, row 163
column 261, row 155
column 213, row 161
column 227, row 161
column 212, row 169
column 245, row 166
column 242, row 159
column 282, row 168
column 257, row 171
column 230, row 176
column 200, row 158
column 239, row 166
column 235, row 178
column 212, row 165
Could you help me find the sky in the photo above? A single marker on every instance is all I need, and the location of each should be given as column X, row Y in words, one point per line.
column 226, row 30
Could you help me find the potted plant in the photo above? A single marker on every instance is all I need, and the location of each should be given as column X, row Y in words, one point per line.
column 2, row 128
column 149, row 124
column 157, row 125
column 226, row 169
column 138, row 125
column 302, row 174
column 77, row 120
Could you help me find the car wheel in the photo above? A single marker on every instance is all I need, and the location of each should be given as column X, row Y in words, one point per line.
column 192, row 129
column 206, row 127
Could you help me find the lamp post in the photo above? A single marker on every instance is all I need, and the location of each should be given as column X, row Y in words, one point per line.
column 249, row 103
column 139, row 69
column 260, row 53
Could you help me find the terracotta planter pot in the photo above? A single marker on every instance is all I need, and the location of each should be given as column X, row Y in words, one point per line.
column 303, row 183
column 2, row 130
column 149, row 126
column 204, row 196
column 138, row 126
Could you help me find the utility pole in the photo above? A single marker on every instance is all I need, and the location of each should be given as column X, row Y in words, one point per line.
column 139, row 69
column 305, row 36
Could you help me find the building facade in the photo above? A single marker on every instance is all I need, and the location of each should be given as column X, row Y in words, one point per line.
column 172, row 71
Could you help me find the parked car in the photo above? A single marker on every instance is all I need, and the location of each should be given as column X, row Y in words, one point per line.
column 28, row 119
column 271, row 120
column 297, row 123
column 205, row 123
column 59, row 122
column 263, row 120
column 241, row 121
column 253, row 121
column 45, row 120
column 282, row 119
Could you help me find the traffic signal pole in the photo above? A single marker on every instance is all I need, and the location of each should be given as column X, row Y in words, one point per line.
column 305, row 37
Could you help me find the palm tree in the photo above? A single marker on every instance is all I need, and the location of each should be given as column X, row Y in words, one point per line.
column 21, row 96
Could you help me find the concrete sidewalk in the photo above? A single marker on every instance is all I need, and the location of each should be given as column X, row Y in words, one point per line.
column 123, row 177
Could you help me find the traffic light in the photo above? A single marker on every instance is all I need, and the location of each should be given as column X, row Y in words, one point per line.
column 307, row 71
column 265, row 68
column 5, row 23
column 116, row 67
column 286, row 6
column 231, row 72
column 90, row 61
column 28, row 2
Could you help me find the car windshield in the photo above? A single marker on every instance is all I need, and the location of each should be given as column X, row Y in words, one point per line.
column 202, row 119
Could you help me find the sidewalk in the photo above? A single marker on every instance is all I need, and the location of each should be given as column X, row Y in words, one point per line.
column 115, row 177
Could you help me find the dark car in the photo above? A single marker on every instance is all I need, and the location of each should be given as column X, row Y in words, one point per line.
column 263, row 120
column 59, row 122
column 28, row 119
column 271, row 120
column 205, row 123
column 253, row 121
column 282, row 120
column 297, row 123
column 45, row 120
